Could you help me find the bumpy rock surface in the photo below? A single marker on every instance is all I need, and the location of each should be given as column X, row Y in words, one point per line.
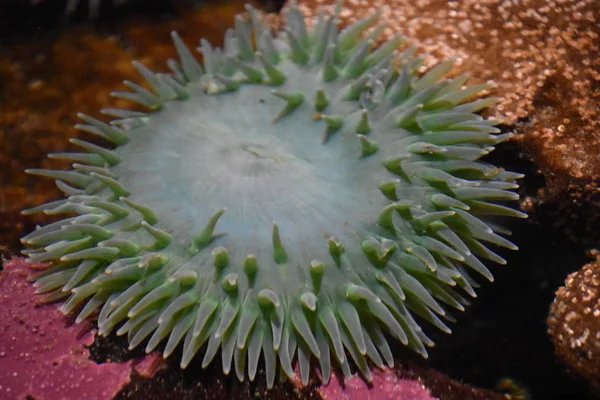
column 574, row 323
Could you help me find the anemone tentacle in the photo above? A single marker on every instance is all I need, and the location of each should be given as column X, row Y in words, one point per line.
column 299, row 196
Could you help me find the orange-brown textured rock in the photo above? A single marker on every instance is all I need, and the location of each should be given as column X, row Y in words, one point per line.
column 574, row 323
column 45, row 80
column 544, row 56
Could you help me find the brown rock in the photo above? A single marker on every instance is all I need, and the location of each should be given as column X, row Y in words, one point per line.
column 574, row 323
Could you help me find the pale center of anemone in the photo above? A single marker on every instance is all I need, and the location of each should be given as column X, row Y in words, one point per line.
column 225, row 152
column 253, row 160
column 260, row 152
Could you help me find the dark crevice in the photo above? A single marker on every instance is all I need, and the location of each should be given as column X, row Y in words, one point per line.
column 27, row 18
column 114, row 349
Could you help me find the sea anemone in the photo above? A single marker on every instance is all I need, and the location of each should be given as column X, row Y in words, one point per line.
column 309, row 196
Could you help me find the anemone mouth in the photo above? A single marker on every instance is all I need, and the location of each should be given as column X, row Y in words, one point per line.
column 298, row 197
column 231, row 151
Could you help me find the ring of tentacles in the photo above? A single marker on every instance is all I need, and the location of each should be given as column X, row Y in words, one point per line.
column 304, row 196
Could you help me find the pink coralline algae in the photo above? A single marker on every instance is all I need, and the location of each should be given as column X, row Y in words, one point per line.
column 385, row 386
column 43, row 356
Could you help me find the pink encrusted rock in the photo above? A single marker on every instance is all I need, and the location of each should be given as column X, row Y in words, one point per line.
column 407, row 380
column 148, row 366
column 385, row 386
column 43, row 356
